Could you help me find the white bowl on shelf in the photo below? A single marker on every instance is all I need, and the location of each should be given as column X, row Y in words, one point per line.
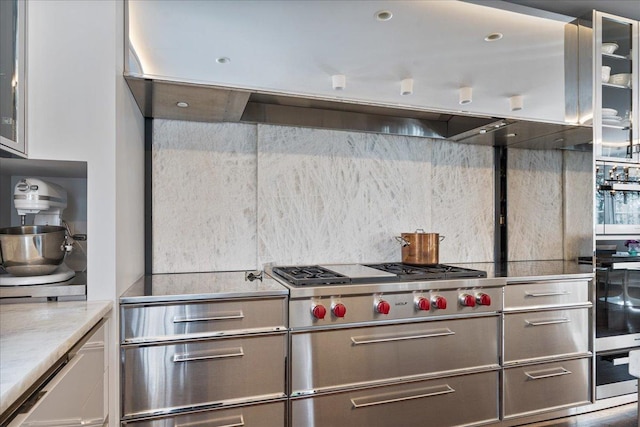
column 609, row 47
column 622, row 79
column 609, row 112
column 606, row 73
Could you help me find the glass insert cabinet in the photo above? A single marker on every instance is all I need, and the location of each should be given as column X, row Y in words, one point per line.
column 12, row 76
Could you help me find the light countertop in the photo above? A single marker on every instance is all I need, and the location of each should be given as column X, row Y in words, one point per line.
column 34, row 336
column 527, row 271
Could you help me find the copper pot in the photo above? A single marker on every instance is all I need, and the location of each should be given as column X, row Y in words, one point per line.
column 420, row 248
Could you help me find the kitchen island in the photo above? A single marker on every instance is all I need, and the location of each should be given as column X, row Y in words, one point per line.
column 34, row 337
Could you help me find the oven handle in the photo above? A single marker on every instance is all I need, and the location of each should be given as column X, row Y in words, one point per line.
column 208, row 355
column 546, row 322
column 390, row 338
column 235, row 421
column 363, row 402
column 546, row 294
column 227, row 315
column 559, row 372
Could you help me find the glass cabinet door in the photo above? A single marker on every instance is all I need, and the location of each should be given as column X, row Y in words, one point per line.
column 616, row 88
column 12, row 60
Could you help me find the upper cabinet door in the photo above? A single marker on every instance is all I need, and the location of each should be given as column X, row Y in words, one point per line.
column 616, row 89
column 12, row 72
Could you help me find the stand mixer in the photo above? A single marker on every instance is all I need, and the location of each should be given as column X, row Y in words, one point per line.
column 45, row 201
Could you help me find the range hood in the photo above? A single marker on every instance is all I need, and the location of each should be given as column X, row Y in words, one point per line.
column 206, row 103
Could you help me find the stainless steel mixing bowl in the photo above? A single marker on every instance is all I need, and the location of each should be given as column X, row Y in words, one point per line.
column 32, row 250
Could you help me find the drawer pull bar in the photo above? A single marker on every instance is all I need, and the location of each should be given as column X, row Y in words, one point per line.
column 212, row 318
column 546, row 294
column 208, row 355
column 235, row 421
column 371, row 339
column 546, row 322
column 72, row 422
column 556, row 372
column 363, row 402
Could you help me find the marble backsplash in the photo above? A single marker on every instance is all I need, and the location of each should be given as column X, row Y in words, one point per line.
column 238, row 196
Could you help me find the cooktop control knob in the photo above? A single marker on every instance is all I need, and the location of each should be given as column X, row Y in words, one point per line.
column 483, row 299
column 423, row 304
column 439, row 303
column 339, row 310
column 467, row 300
column 383, row 307
column 318, row 311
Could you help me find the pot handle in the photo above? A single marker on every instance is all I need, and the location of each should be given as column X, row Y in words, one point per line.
column 442, row 238
column 402, row 240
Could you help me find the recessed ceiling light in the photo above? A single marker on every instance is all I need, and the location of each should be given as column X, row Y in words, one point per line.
column 223, row 60
column 182, row 104
column 493, row 37
column 383, row 15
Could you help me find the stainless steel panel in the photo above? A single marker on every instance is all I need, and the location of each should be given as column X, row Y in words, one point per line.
column 361, row 308
column 164, row 377
column 537, row 334
column 262, row 415
column 459, row 400
column 546, row 294
column 179, row 321
column 334, row 358
column 535, row 388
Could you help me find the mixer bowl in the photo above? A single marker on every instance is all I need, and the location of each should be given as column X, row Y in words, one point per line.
column 32, row 250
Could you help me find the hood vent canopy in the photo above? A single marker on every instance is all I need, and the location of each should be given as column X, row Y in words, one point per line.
column 159, row 99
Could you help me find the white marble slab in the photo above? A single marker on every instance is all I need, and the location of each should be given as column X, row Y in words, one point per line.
column 339, row 197
column 34, row 336
column 204, row 197
column 578, row 204
column 462, row 201
column 534, row 205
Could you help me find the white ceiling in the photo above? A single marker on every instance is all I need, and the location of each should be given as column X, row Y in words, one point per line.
column 295, row 46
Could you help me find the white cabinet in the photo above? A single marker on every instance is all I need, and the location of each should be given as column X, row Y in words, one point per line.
column 76, row 395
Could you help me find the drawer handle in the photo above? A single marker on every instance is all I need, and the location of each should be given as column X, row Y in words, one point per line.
column 555, row 372
column 546, row 322
column 235, row 421
column 396, row 337
column 209, row 355
column 363, row 402
column 546, row 294
column 211, row 318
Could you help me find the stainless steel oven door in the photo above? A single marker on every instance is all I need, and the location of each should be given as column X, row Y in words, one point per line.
column 617, row 199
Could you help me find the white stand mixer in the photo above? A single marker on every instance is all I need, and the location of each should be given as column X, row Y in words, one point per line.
column 46, row 201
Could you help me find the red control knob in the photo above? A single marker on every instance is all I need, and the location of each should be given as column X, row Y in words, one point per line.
column 383, row 307
column 483, row 299
column 439, row 302
column 319, row 311
column 339, row 310
column 467, row 300
column 423, row 304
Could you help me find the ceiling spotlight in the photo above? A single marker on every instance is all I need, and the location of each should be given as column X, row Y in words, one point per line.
column 223, row 60
column 182, row 104
column 339, row 81
column 466, row 95
column 406, row 87
column 383, row 15
column 516, row 103
column 493, row 37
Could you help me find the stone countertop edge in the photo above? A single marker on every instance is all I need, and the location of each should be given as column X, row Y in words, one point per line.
column 34, row 336
column 515, row 272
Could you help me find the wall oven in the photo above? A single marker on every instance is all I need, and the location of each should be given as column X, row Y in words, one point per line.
column 617, row 198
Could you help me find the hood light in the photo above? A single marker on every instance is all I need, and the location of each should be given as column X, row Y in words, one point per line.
column 182, row 104
column 493, row 37
column 383, row 15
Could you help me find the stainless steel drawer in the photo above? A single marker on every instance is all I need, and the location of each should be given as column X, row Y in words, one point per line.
column 535, row 334
column 333, row 358
column 166, row 321
column 186, row 374
column 540, row 294
column 263, row 415
column 534, row 388
column 459, row 400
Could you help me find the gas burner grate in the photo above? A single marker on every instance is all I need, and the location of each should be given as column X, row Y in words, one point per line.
column 310, row 275
column 427, row 272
